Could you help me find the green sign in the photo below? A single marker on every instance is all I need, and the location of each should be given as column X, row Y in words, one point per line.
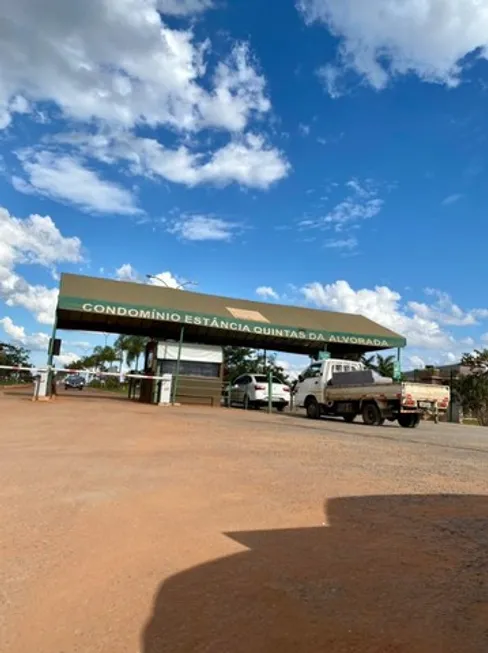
column 324, row 355
column 159, row 314
column 397, row 370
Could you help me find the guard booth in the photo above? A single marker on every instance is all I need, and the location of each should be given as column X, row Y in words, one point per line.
column 195, row 370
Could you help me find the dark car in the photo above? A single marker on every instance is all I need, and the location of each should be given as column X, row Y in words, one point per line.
column 74, row 382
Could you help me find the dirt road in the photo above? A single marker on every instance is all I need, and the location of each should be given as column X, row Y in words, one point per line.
column 127, row 528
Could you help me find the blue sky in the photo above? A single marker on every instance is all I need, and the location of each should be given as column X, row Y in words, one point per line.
column 329, row 153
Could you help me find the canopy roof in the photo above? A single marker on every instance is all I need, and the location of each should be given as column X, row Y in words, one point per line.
column 92, row 304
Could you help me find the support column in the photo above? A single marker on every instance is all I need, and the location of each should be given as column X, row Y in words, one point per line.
column 398, row 366
column 50, row 357
column 270, row 391
column 177, row 370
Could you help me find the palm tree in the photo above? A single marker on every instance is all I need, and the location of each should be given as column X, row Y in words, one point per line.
column 133, row 346
column 108, row 354
column 385, row 366
column 97, row 358
column 368, row 362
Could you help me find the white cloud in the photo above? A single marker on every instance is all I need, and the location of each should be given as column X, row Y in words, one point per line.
column 17, row 335
column 33, row 241
column 304, row 129
column 451, row 199
column 247, row 160
column 444, row 311
column 126, row 273
column 202, row 227
column 361, row 203
column 126, row 69
column 416, row 362
column 65, row 178
column 65, row 360
column 293, row 364
column 166, row 279
column 451, row 357
column 183, row 7
column 380, row 39
column 84, row 346
column 266, row 292
column 116, row 61
column 344, row 244
column 331, row 78
column 37, row 299
column 384, row 307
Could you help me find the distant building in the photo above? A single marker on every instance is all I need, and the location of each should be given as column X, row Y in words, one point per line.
column 437, row 375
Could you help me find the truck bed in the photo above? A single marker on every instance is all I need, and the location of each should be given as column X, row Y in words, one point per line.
column 422, row 392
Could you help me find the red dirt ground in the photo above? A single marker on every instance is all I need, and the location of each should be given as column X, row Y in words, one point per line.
column 129, row 528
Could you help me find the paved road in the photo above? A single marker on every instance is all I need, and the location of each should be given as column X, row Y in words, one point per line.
column 450, row 436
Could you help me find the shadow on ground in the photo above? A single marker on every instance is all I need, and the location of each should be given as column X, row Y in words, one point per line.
column 389, row 574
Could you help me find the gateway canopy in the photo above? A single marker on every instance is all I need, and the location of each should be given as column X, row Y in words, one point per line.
column 92, row 304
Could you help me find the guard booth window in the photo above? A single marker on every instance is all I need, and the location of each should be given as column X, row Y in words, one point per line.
column 192, row 368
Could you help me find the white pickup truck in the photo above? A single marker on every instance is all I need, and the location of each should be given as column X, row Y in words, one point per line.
column 322, row 389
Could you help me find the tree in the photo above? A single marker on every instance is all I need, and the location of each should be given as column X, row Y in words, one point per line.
column 133, row 346
column 108, row 354
column 16, row 357
column 237, row 361
column 472, row 388
column 242, row 360
column 77, row 365
column 266, row 363
column 385, row 366
column 368, row 362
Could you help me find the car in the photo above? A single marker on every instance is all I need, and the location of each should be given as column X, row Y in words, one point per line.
column 74, row 382
column 251, row 391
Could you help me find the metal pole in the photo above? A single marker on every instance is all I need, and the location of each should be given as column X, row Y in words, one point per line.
column 50, row 355
column 264, row 361
column 270, row 391
column 177, row 370
column 451, row 407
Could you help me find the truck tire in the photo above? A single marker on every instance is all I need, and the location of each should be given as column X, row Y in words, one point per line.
column 372, row 414
column 409, row 421
column 313, row 409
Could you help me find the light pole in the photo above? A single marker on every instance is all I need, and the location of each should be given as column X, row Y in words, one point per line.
column 178, row 287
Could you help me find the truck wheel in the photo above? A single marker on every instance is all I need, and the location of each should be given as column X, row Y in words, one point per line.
column 409, row 421
column 372, row 415
column 349, row 418
column 313, row 409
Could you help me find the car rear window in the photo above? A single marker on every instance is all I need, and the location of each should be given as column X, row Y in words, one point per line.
column 261, row 378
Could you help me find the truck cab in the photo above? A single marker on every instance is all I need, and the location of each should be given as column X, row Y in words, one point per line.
column 312, row 381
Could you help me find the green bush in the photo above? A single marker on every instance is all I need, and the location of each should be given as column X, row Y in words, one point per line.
column 111, row 383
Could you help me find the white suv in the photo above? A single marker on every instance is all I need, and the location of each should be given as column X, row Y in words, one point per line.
column 251, row 390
